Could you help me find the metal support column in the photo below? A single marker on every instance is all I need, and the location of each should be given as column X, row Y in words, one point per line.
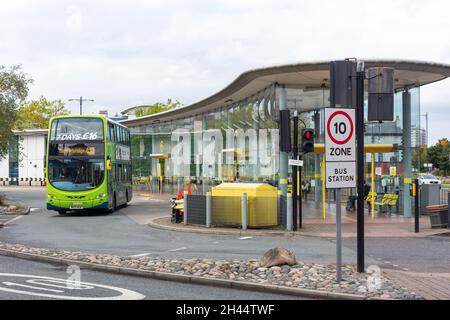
column 283, row 155
column 407, row 163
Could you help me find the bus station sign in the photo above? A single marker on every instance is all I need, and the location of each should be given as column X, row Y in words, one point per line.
column 340, row 149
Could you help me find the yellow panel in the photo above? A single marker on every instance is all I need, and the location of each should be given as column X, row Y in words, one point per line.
column 368, row 148
column 261, row 201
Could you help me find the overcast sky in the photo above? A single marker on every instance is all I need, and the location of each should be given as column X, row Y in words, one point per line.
column 123, row 53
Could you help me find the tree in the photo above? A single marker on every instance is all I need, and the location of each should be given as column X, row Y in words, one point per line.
column 157, row 108
column 13, row 92
column 420, row 157
column 438, row 155
column 37, row 113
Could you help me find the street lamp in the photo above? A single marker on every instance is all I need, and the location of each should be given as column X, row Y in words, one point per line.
column 81, row 103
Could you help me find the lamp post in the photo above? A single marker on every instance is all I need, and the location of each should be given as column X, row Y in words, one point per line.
column 81, row 103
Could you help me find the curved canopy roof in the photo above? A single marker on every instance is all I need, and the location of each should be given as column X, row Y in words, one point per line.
column 305, row 75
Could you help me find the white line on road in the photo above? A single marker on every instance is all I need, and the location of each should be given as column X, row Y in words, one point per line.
column 245, row 238
column 124, row 294
column 12, row 220
column 12, row 284
column 178, row 249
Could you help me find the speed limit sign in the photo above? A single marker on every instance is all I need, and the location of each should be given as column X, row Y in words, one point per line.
column 340, row 134
column 340, row 150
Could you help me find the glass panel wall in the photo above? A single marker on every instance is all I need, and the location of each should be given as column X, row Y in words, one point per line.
column 236, row 142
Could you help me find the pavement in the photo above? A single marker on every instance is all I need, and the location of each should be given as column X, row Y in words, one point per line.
column 125, row 232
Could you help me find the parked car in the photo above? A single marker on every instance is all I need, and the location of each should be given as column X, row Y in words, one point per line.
column 428, row 179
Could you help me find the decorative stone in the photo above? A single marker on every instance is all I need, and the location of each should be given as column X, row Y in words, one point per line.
column 277, row 257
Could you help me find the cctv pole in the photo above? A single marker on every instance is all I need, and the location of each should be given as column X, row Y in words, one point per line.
column 360, row 164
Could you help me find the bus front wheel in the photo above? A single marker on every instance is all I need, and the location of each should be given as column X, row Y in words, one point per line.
column 62, row 211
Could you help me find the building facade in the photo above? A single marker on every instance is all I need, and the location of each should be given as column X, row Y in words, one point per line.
column 234, row 134
column 26, row 156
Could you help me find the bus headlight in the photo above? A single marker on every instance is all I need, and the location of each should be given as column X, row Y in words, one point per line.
column 51, row 196
column 101, row 195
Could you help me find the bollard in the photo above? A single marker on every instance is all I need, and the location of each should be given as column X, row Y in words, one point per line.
column 208, row 209
column 415, row 194
column 289, row 205
column 279, row 193
column 185, row 213
column 244, row 211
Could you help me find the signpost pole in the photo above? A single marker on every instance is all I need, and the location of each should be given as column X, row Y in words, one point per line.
column 360, row 165
column 299, row 187
column 295, row 170
column 338, row 236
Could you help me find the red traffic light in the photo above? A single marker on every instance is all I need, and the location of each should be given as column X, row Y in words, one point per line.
column 307, row 140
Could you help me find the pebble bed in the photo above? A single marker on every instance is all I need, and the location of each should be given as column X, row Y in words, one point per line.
column 12, row 210
column 301, row 275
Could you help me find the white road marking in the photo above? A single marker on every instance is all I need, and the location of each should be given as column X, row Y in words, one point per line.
column 178, row 249
column 65, row 284
column 139, row 255
column 125, row 294
column 34, row 209
column 12, row 284
column 245, row 238
column 12, row 220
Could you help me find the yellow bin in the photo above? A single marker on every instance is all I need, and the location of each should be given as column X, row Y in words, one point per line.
column 261, row 204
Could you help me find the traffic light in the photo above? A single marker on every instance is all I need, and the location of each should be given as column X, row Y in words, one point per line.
column 307, row 140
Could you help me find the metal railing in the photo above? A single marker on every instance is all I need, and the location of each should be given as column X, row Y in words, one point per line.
column 18, row 180
column 443, row 196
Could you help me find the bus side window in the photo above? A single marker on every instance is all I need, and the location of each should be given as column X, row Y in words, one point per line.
column 116, row 132
column 111, row 132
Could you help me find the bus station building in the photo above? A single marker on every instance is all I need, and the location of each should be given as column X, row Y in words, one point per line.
column 234, row 135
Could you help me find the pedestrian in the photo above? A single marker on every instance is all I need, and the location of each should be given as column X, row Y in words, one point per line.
column 306, row 188
column 351, row 202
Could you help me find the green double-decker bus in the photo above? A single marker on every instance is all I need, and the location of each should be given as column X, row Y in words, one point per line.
column 88, row 164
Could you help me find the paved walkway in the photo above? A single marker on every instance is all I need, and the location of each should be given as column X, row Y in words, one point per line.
column 431, row 286
column 382, row 225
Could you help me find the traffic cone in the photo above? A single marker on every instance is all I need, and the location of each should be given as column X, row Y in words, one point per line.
column 189, row 189
column 180, row 193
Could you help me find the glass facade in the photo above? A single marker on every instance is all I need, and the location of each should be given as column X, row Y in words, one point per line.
column 237, row 142
column 13, row 152
column 240, row 142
